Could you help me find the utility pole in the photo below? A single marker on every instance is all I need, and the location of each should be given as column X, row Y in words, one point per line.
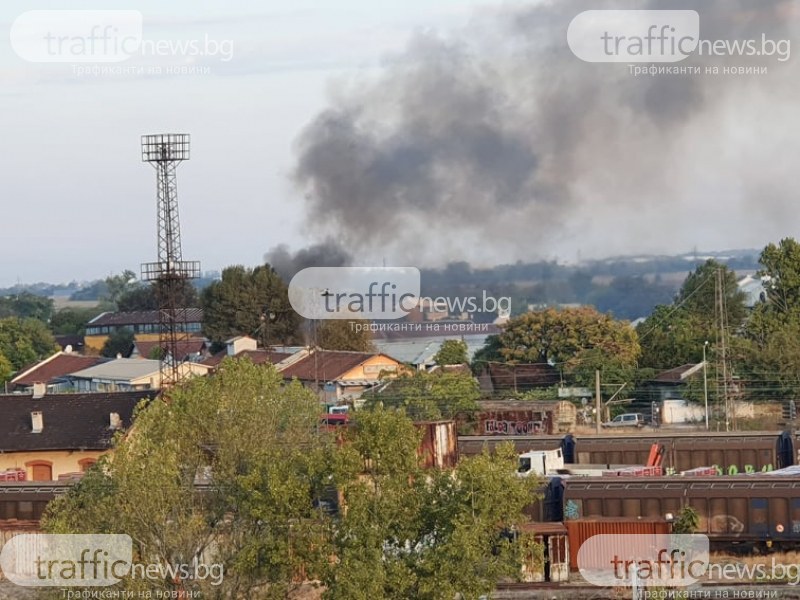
column 597, row 398
column 705, row 381
column 721, row 310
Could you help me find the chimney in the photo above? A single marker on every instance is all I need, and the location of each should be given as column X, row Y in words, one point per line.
column 114, row 421
column 39, row 389
column 240, row 344
column 37, row 421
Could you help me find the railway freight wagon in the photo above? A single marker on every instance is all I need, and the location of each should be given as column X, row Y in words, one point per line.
column 681, row 451
column 517, row 417
column 754, row 510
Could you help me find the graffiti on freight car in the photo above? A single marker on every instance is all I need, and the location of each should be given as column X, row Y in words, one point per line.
column 495, row 427
column 727, row 523
column 571, row 510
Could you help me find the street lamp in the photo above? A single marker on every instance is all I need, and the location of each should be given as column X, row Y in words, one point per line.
column 705, row 381
column 266, row 319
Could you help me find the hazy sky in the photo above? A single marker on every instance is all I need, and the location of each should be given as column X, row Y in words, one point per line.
column 79, row 204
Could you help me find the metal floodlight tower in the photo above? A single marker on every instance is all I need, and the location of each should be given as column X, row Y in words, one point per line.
column 168, row 275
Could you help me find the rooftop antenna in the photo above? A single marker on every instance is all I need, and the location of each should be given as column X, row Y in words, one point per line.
column 165, row 151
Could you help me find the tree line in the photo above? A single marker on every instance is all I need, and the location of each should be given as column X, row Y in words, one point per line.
column 233, row 470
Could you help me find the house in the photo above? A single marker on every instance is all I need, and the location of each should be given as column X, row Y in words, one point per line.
column 417, row 344
column 193, row 349
column 58, row 434
column 339, row 376
column 127, row 374
column 670, row 384
column 70, row 342
column 245, row 346
column 52, row 373
column 754, row 289
column 145, row 325
column 501, row 377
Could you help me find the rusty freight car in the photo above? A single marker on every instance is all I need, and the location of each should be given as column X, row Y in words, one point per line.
column 682, row 451
column 754, row 510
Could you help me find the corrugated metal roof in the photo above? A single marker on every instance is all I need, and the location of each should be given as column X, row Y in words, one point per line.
column 140, row 317
column 121, row 369
column 678, row 374
column 544, row 528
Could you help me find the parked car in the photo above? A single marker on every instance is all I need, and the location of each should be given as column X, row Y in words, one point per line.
column 626, row 420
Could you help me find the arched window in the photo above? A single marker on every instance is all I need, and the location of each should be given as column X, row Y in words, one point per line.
column 86, row 463
column 40, row 470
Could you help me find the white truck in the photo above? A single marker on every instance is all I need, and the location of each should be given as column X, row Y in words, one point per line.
column 540, row 462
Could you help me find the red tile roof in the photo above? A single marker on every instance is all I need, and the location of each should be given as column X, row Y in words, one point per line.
column 326, row 365
column 185, row 347
column 58, row 365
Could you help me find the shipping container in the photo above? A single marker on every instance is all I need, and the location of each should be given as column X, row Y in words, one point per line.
column 439, row 446
column 580, row 530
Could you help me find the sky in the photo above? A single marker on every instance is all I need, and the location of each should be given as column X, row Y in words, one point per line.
column 79, row 204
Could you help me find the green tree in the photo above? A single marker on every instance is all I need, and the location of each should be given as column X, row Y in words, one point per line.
column 429, row 395
column 253, row 441
column 72, row 321
column 781, row 265
column 25, row 341
column 236, row 304
column 582, row 367
column 26, row 305
column 233, row 468
column 119, row 342
column 146, row 297
column 340, row 334
column 674, row 334
column 559, row 335
column 451, row 352
column 490, row 352
column 118, row 285
column 698, row 295
column 687, row 521
column 6, row 370
column 438, row 535
column 671, row 337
